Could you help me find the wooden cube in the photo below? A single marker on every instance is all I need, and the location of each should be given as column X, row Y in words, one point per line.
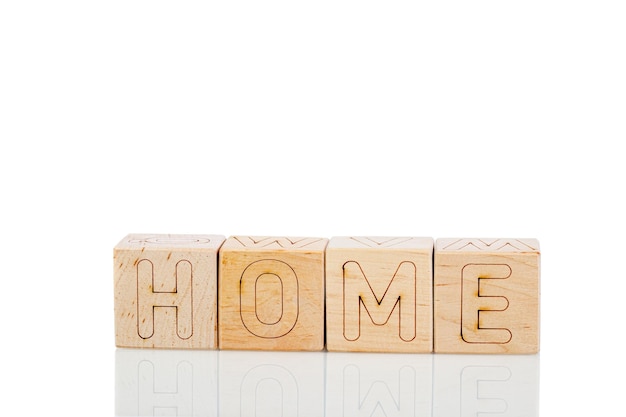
column 271, row 293
column 379, row 294
column 165, row 291
column 487, row 296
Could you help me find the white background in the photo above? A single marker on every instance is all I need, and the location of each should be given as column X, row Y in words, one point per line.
column 320, row 118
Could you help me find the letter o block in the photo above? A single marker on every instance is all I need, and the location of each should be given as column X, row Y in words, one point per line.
column 165, row 291
column 271, row 293
column 379, row 294
column 487, row 296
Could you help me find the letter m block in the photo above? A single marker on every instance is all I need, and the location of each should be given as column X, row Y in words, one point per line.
column 379, row 294
column 166, row 291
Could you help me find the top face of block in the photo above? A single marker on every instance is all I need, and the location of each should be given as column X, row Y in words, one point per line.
column 170, row 242
column 488, row 245
column 381, row 242
column 275, row 243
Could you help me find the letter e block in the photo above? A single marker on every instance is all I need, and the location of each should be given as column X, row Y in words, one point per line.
column 165, row 291
column 271, row 293
column 487, row 296
column 379, row 294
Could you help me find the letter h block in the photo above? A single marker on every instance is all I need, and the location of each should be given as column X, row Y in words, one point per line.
column 379, row 294
column 271, row 293
column 487, row 296
column 165, row 291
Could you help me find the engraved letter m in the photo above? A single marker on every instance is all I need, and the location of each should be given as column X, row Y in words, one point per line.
column 358, row 294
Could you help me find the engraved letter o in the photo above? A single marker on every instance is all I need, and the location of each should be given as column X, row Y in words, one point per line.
column 250, row 295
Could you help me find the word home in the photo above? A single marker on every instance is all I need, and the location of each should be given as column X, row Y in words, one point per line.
column 356, row 293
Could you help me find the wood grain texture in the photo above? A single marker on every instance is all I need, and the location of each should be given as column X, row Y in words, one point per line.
column 271, row 293
column 486, row 296
column 379, row 294
column 165, row 291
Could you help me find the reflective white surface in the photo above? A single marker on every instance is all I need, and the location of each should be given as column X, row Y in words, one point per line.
column 314, row 118
column 244, row 383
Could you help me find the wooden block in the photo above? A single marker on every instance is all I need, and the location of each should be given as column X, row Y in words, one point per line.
column 487, row 296
column 379, row 294
column 165, row 291
column 271, row 293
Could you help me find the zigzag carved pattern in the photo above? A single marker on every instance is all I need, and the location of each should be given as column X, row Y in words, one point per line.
column 380, row 242
column 497, row 245
column 282, row 242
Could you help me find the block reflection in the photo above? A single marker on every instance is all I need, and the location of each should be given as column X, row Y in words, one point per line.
column 165, row 383
column 368, row 384
column 244, row 383
column 271, row 383
column 495, row 385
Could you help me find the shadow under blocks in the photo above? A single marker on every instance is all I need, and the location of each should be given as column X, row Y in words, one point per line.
column 356, row 293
